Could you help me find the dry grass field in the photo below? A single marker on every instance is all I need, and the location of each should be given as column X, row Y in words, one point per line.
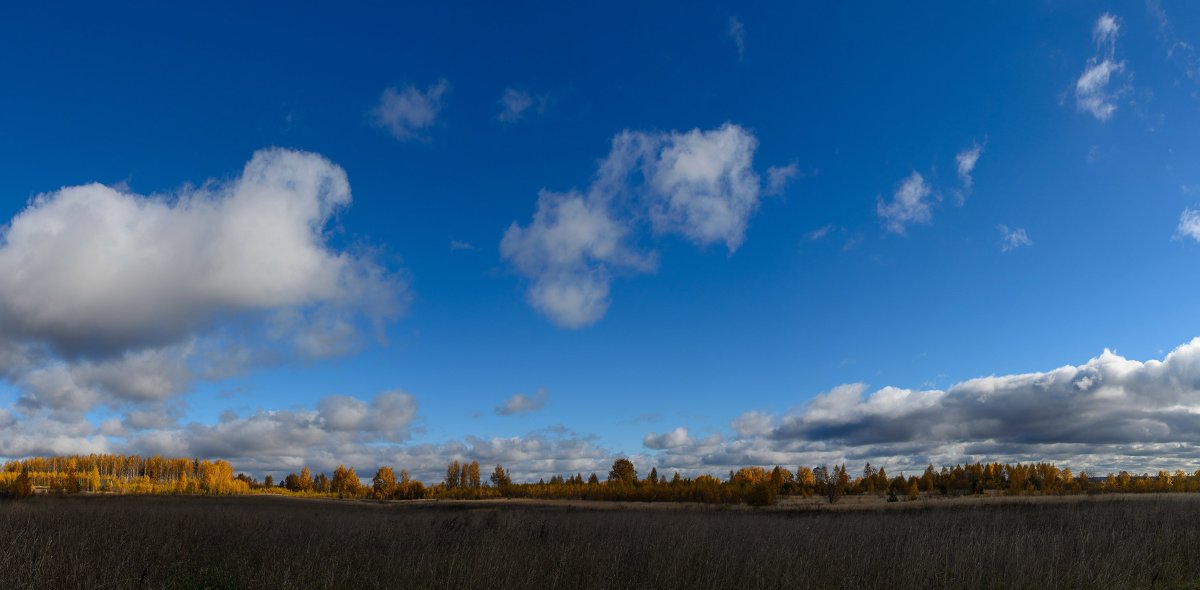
column 269, row 542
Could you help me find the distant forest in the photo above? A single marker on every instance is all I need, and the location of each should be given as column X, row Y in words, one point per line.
column 758, row 486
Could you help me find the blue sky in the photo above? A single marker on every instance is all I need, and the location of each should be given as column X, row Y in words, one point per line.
column 781, row 234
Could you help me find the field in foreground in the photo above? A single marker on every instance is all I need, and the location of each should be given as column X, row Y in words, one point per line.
column 268, row 542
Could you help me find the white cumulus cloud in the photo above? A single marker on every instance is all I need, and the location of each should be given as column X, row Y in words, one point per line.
column 701, row 183
column 388, row 414
column 667, row 440
column 569, row 251
column 122, row 298
column 698, row 184
column 752, row 424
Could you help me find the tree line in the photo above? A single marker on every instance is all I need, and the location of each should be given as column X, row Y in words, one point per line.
column 755, row 485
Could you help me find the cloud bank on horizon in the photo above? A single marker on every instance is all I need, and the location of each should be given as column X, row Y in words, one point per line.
column 1109, row 413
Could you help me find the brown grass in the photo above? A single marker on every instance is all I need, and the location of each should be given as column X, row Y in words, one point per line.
column 270, row 542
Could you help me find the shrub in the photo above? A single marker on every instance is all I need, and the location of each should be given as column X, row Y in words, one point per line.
column 761, row 494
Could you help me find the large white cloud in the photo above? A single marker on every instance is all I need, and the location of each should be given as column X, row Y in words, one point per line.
column 93, row 270
column 122, row 298
column 699, row 184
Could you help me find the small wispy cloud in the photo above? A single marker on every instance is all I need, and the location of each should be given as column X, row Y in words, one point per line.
column 1011, row 239
column 647, row 417
column 778, row 178
column 819, row 234
column 459, row 245
column 1189, row 225
column 737, row 32
column 910, row 204
column 407, row 112
column 1106, row 29
column 1092, row 92
column 965, row 161
column 1178, row 50
column 515, row 104
column 523, row 404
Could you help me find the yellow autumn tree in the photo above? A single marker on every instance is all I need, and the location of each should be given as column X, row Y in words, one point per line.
column 500, row 477
column 473, row 479
column 453, row 474
column 345, row 482
column 622, row 472
column 306, row 480
column 22, row 485
column 383, row 485
column 94, row 479
column 182, row 484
